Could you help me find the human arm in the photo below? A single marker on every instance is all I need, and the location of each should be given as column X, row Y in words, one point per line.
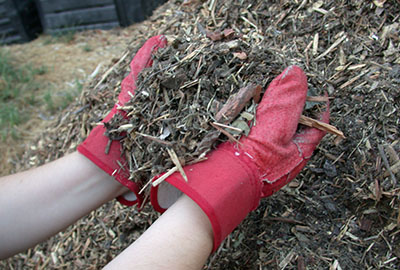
column 180, row 239
column 40, row 202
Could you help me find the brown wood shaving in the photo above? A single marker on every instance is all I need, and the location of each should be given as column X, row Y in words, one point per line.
column 177, row 163
column 307, row 121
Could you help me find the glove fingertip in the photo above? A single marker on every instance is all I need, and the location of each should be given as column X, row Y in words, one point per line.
column 291, row 74
column 141, row 60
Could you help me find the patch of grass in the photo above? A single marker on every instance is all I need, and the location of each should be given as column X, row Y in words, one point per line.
column 17, row 92
column 41, row 70
column 48, row 100
column 60, row 36
column 65, row 37
column 10, row 116
column 87, row 48
column 21, row 96
column 58, row 100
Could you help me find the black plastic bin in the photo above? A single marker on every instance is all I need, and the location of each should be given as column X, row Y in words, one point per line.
column 22, row 20
column 19, row 21
column 132, row 11
column 67, row 15
column 71, row 15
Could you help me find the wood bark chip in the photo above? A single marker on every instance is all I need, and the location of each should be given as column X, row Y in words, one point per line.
column 229, row 112
column 236, row 103
column 177, row 163
column 307, row 121
column 386, row 163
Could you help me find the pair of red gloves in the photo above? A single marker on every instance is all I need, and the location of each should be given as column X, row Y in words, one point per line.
column 231, row 182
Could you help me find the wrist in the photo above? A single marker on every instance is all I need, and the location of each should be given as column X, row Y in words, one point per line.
column 181, row 238
column 223, row 186
column 94, row 149
column 97, row 179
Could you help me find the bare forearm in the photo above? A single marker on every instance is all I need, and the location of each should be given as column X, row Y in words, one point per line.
column 38, row 203
column 180, row 239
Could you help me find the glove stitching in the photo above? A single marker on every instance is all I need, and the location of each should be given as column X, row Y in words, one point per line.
column 298, row 149
column 276, row 179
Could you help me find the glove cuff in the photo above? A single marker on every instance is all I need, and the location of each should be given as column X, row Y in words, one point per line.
column 94, row 149
column 225, row 188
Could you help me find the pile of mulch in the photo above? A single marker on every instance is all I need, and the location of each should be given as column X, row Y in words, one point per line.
column 197, row 94
column 342, row 211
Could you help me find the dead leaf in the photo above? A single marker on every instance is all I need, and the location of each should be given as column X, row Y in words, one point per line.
column 214, row 36
column 228, row 33
column 378, row 190
column 240, row 55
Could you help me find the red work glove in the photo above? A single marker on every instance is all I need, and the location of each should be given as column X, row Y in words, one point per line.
column 230, row 183
column 95, row 144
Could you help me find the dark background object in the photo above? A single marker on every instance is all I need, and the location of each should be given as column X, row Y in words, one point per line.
column 131, row 11
column 19, row 21
column 22, row 20
column 70, row 15
column 59, row 16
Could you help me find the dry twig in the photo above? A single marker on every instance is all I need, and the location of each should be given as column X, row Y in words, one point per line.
column 307, row 121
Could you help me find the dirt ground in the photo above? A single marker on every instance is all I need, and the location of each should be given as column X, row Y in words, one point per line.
column 341, row 212
column 66, row 59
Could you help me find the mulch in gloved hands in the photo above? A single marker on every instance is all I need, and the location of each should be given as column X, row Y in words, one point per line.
column 174, row 116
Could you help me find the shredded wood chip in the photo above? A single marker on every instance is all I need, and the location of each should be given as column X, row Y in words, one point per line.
column 307, row 121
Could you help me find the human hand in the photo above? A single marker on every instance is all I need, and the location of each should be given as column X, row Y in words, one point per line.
column 95, row 144
column 231, row 182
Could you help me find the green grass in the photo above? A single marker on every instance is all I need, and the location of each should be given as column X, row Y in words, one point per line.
column 23, row 95
column 87, row 48
column 60, row 37
column 17, row 92
column 55, row 101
